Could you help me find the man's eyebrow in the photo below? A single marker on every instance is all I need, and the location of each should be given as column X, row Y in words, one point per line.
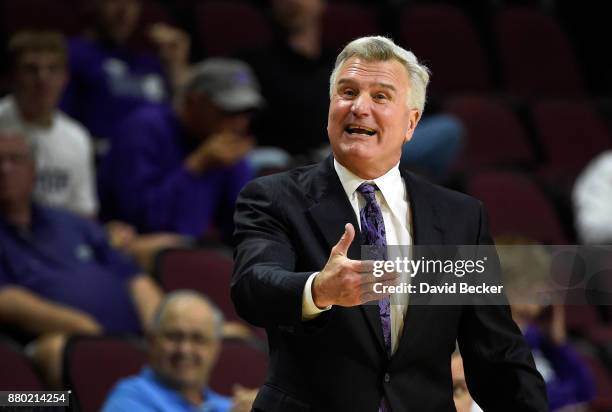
column 380, row 84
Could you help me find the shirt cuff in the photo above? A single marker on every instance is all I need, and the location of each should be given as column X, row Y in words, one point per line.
column 309, row 309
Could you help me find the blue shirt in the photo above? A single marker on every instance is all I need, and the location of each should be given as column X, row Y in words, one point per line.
column 144, row 181
column 66, row 259
column 147, row 394
column 107, row 83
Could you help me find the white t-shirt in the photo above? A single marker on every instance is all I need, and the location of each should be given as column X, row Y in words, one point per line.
column 64, row 159
column 592, row 197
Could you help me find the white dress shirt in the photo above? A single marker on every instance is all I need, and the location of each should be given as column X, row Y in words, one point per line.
column 392, row 198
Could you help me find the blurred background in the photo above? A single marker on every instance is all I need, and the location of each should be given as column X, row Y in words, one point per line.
column 519, row 115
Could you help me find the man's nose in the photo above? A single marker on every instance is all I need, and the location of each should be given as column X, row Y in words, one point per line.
column 361, row 105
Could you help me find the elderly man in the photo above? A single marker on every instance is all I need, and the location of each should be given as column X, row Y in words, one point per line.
column 184, row 343
column 180, row 169
column 64, row 156
column 328, row 350
column 58, row 274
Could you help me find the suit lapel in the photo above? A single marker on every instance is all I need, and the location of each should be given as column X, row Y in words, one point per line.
column 330, row 213
column 426, row 231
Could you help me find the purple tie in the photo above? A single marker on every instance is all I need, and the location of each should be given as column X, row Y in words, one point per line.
column 373, row 230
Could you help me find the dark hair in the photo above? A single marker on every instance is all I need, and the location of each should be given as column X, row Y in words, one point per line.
column 37, row 40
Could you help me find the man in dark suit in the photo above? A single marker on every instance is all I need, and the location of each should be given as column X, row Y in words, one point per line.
column 298, row 272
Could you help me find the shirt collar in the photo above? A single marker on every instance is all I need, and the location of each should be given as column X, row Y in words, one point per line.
column 390, row 184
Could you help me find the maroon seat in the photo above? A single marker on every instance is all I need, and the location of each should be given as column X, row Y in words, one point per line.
column 517, row 207
column 61, row 15
column 93, row 365
column 494, row 135
column 603, row 384
column 224, row 27
column 17, row 372
column 240, row 362
column 205, row 270
column 427, row 29
column 536, row 56
column 571, row 134
column 345, row 22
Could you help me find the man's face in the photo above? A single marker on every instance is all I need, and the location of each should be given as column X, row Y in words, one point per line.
column 118, row 18
column 461, row 396
column 369, row 118
column 295, row 15
column 16, row 171
column 205, row 119
column 40, row 78
column 186, row 347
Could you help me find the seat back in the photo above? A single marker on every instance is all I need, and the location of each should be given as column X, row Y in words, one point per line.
column 93, row 365
column 426, row 30
column 240, row 362
column 207, row 271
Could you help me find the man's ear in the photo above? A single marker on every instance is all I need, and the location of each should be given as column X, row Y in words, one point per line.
column 413, row 120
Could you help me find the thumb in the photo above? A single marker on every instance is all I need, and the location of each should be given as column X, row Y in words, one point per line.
column 345, row 241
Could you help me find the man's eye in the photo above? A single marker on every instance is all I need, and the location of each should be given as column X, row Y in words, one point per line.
column 348, row 93
column 380, row 96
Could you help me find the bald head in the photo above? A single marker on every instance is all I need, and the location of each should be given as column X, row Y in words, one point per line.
column 185, row 338
column 16, row 171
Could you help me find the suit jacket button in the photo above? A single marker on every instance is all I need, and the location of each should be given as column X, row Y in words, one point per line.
column 387, row 378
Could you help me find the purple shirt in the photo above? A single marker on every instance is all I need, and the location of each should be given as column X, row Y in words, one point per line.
column 66, row 259
column 572, row 383
column 144, row 182
column 108, row 83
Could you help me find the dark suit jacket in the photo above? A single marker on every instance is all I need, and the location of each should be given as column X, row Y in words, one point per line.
column 286, row 225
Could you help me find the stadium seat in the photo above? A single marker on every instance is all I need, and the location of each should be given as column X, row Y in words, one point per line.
column 240, row 362
column 93, row 365
column 206, row 270
column 517, row 207
column 536, row 57
column 345, row 22
column 17, row 372
column 571, row 134
column 427, row 29
column 494, row 135
column 61, row 15
column 225, row 27
column 603, row 384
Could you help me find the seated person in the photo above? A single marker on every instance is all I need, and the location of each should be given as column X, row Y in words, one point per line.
column 63, row 149
column 180, row 169
column 109, row 79
column 58, row 274
column 526, row 268
column 461, row 395
column 592, row 197
column 294, row 74
column 184, row 344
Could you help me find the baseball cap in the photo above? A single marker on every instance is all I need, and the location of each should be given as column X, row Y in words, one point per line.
column 229, row 83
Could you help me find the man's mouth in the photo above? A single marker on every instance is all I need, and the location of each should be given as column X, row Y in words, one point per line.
column 359, row 130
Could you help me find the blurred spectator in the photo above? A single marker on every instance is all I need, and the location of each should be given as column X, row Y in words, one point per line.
column 461, row 395
column 62, row 147
column 568, row 381
column 109, row 80
column 592, row 197
column 294, row 72
column 180, row 169
column 185, row 339
column 58, row 274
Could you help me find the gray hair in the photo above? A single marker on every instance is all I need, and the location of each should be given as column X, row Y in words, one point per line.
column 379, row 48
column 185, row 294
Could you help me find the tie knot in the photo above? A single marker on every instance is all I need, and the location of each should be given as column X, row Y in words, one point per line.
column 367, row 190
